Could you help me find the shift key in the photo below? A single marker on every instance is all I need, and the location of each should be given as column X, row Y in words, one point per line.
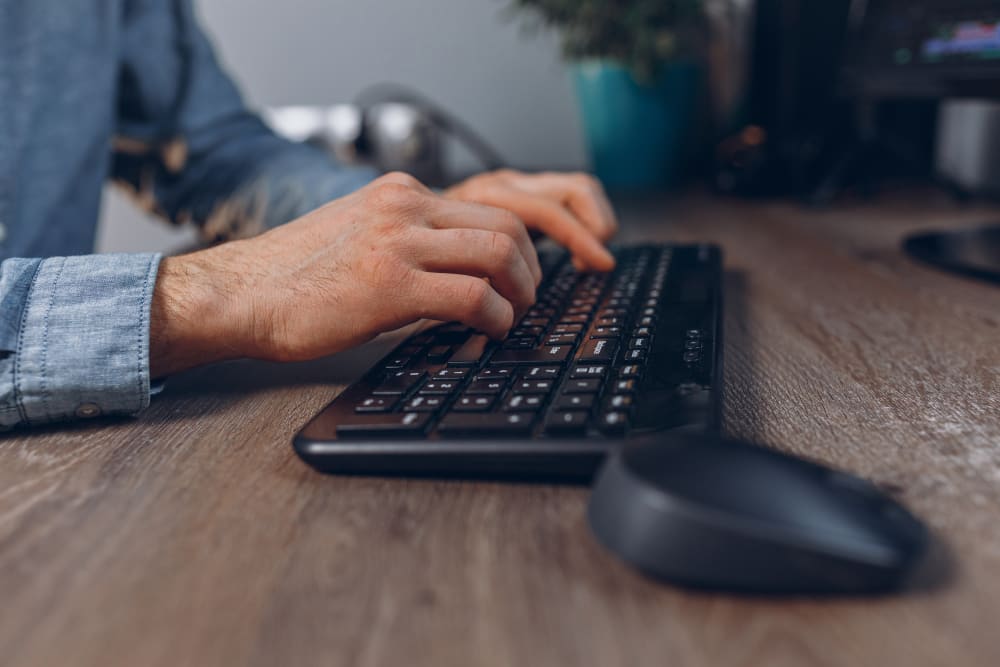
column 542, row 356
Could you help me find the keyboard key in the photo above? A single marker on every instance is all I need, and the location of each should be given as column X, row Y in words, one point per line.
column 452, row 373
column 533, row 387
column 424, row 404
column 550, row 354
column 589, row 386
column 493, row 373
column 574, row 319
column 397, row 425
column 498, row 424
column 639, row 343
column 470, row 352
column 439, row 388
column 519, row 343
column 541, row 373
column 473, row 404
column 439, row 354
column 606, row 332
column 399, row 383
column 575, row 402
column 539, row 322
column 635, row 356
column 567, row 328
column 377, row 404
column 488, row 387
column 523, row 402
column 566, row 423
column 562, row 339
column 620, row 401
column 613, row 423
column 583, row 372
column 630, row 371
column 398, row 363
column 599, row 350
column 624, row 386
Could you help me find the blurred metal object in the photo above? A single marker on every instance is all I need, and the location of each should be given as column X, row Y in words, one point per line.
column 391, row 136
column 968, row 146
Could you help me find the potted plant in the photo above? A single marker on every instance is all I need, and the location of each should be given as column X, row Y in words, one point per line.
column 635, row 65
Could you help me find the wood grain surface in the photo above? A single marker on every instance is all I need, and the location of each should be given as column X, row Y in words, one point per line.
column 193, row 536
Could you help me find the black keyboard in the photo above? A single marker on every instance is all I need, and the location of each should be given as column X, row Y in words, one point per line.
column 599, row 358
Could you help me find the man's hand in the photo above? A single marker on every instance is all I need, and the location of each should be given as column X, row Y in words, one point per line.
column 385, row 256
column 572, row 209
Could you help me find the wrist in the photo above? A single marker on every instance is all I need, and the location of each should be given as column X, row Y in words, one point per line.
column 197, row 314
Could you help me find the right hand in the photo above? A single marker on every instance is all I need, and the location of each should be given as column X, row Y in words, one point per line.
column 383, row 257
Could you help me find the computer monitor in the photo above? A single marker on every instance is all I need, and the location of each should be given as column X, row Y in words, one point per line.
column 927, row 49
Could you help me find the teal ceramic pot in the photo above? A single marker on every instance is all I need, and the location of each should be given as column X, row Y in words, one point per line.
column 636, row 132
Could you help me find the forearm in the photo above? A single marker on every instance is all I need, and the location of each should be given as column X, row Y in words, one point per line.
column 199, row 311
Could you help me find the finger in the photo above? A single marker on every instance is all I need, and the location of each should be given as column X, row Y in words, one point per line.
column 562, row 226
column 450, row 297
column 586, row 198
column 479, row 253
column 461, row 215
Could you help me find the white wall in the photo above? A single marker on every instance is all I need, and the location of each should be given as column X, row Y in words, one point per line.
column 463, row 53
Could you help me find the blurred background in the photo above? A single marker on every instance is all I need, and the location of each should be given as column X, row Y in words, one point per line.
column 815, row 101
column 465, row 54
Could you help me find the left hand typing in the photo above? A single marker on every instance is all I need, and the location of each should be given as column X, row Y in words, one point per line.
column 571, row 208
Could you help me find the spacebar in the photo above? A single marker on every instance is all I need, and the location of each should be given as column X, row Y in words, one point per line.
column 492, row 424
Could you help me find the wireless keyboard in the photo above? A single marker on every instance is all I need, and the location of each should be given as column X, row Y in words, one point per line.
column 599, row 358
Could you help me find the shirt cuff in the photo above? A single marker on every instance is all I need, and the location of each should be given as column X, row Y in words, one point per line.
column 83, row 340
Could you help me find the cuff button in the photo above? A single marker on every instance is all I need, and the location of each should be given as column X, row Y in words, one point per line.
column 88, row 410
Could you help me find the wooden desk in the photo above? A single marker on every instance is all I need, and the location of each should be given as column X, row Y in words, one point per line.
column 193, row 535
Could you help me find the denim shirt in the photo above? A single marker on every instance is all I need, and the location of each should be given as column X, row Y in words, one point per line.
column 128, row 90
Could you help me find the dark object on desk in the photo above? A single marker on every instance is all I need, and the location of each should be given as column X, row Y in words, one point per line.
column 599, row 358
column 974, row 253
column 904, row 51
column 718, row 514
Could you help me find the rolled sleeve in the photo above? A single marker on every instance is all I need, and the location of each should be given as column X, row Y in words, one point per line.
column 75, row 337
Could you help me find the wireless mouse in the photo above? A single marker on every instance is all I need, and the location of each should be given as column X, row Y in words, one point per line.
column 720, row 514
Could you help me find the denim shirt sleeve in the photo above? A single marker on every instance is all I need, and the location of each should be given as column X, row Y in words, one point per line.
column 74, row 337
column 189, row 148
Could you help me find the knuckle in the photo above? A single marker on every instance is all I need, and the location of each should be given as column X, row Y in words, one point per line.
column 401, row 178
column 503, row 248
column 474, row 296
column 393, row 196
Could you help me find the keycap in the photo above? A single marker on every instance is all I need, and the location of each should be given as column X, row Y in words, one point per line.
column 580, row 372
column 566, row 422
column 499, row 424
column 399, row 383
column 398, row 363
column 540, row 322
column 533, row 387
column 376, row 404
column 452, row 373
column 587, row 386
column 606, row 332
column 567, row 328
column 630, row 371
column 639, row 343
column 541, row 373
column 491, row 373
column 439, row 388
column 620, row 401
column 624, row 386
column 424, row 404
column 470, row 352
column 488, row 387
column 550, row 354
column 575, row 402
column 562, row 339
column 613, row 422
column 439, row 354
column 635, row 355
column 473, row 403
column 598, row 350
column 394, row 424
column 523, row 402
column 574, row 319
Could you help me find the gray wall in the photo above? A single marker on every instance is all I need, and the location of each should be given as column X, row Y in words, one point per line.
column 463, row 53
